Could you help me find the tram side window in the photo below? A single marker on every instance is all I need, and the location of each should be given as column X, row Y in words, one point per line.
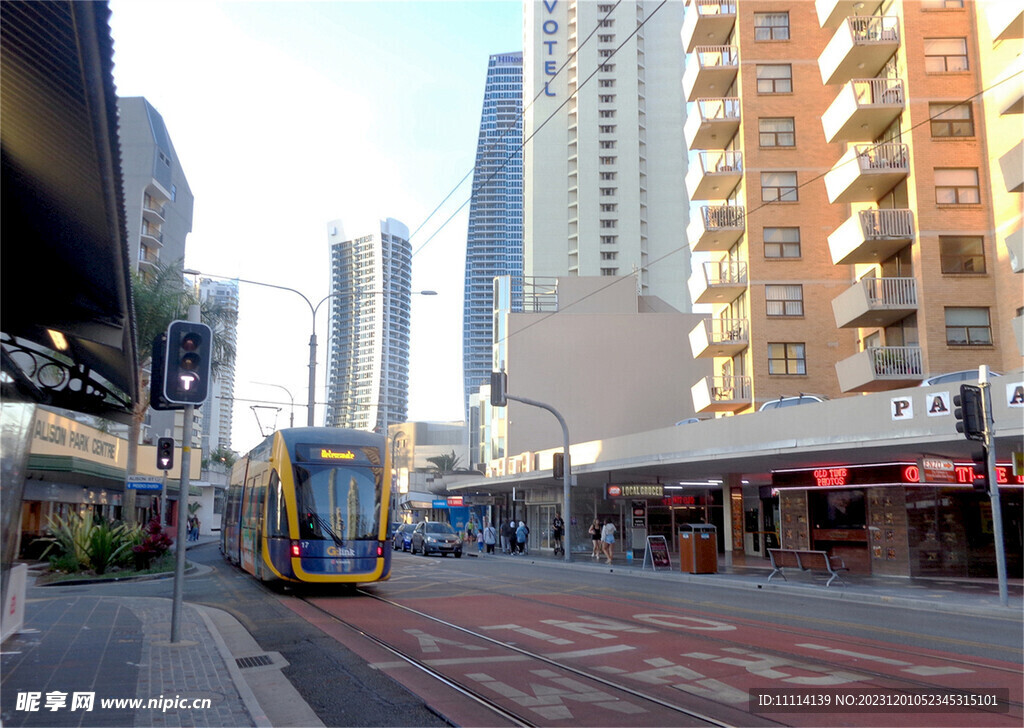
column 277, row 510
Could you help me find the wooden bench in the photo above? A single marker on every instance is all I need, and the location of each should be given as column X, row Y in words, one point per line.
column 805, row 560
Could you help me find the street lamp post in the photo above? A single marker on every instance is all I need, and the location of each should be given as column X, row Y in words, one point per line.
column 313, row 309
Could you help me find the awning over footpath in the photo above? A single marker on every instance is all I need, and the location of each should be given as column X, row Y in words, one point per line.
column 65, row 261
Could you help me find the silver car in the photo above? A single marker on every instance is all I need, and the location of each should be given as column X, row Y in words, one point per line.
column 435, row 537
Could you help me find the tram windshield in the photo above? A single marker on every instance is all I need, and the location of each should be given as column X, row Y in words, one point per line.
column 338, row 503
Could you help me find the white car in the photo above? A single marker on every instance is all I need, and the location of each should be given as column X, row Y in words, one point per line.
column 793, row 401
column 965, row 375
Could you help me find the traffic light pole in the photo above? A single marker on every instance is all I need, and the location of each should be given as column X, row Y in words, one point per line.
column 993, row 485
column 183, row 487
column 566, row 470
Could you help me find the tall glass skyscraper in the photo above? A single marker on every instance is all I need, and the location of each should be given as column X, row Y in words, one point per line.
column 494, row 244
column 368, row 333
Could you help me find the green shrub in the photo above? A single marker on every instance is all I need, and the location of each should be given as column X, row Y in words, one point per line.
column 68, row 564
column 70, row 538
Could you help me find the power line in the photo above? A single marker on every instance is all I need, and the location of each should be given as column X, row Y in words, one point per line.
column 763, row 205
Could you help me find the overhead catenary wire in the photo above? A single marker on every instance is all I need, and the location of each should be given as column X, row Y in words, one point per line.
column 763, row 205
column 551, row 116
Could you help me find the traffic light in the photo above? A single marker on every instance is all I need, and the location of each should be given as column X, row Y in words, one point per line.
column 970, row 412
column 558, row 461
column 980, row 470
column 186, row 376
column 165, row 453
column 499, row 383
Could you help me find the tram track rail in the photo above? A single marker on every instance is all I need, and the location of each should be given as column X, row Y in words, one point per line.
column 485, row 701
column 905, row 682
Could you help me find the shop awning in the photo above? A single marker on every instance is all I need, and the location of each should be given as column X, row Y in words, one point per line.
column 66, row 315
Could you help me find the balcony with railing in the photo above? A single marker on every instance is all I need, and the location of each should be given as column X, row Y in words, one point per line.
column 860, row 48
column 863, row 109
column 152, row 236
column 712, row 124
column 708, row 22
column 720, row 337
column 871, row 236
column 716, row 228
column 721, row 394
column 833, row 12
column 879, row 368
column 710, row 71
column 1011, row 164
column 714, row 175
column 875, row 302
column 720, row 281
column 1005, row 20
column 867, row 172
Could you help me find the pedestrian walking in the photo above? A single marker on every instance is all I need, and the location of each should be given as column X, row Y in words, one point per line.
column 508, row 531
column 490, row 536
column 479, row 541
column 557, row 529
column 522, row 532
column 595, row 538
column 608, row 540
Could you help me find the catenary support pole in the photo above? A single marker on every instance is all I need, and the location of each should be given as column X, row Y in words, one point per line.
column 566, row 471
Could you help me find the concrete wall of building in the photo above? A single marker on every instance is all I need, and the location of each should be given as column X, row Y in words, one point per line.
column 608, row 374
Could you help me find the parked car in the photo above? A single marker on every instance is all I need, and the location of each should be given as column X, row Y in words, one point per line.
column 403, row 537
column 793, row 401
column 435, row 537
column 965, row 375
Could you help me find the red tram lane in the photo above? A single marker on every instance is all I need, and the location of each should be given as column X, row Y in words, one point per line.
column 683, row 657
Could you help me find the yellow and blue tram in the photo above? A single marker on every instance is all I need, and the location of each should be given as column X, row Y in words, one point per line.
column 310, row 504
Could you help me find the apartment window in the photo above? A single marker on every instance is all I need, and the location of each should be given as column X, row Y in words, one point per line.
column 778, row 187
column 607, row 67
column 606, row 98
column 609, row 256
column 605, row 8
column 606, row 128
column 606, row 83
column 609, row 207
column 609, row 271
column 962, row 253
column 784, row 300
column 787, row 358
column 957, row 186
column 771, row 26
column 609, row 223
column 941, row 4
column 608, row 160
column 606, row 38
column 605, row 53
column 968, row 326
column 607, row 144
column 780, row 132
column 775, row 78
column 608, row 175
column 606, row 113
column 945, row 55
column 782, row 242
column 608, row 191
column 951, row 120
column 606, row 23
column 609, row 239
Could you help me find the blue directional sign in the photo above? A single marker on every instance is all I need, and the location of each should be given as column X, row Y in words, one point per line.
column 143, row 482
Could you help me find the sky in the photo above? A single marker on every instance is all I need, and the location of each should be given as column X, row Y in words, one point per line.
column 286, row 115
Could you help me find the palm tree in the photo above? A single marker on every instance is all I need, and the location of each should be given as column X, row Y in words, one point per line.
column 447, row 463
column 160, row 297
